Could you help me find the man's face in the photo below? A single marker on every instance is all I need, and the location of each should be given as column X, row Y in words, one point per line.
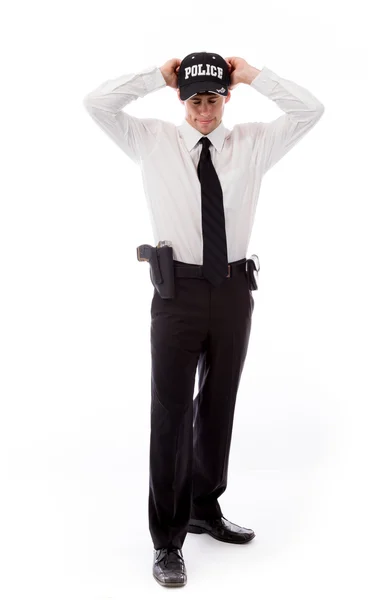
column 204, row 111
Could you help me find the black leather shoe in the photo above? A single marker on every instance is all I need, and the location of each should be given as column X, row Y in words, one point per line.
column 221, row 529
column 169, row 568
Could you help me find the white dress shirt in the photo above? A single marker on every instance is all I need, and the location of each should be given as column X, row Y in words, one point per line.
column 168, row 155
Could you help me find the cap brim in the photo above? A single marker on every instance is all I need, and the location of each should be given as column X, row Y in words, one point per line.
column 199, row 87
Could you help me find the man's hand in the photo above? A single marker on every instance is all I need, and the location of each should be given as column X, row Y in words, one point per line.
column 170, row 71
column 240, row 71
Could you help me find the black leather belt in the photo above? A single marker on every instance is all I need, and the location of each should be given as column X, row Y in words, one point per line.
column 186, row 270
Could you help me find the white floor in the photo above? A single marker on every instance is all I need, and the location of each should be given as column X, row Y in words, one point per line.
column 80, row 532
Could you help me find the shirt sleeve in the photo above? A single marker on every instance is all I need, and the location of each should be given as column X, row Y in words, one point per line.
column 302, row 111
column 136, row 137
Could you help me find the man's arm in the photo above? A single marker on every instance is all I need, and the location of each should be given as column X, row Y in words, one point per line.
column 136, row 137
column 302, row 111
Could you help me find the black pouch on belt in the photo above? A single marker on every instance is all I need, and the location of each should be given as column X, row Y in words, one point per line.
column 253, row 272
column 161, row 267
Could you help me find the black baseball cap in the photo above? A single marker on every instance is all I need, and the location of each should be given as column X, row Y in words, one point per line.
column 203, row 72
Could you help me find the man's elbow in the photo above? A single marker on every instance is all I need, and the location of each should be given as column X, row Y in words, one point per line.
column 87, row 102
column 320, row 109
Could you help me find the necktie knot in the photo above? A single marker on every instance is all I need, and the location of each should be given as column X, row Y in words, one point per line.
column 205, row 143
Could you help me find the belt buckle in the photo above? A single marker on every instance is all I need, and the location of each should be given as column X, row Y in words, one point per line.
column 228, row 271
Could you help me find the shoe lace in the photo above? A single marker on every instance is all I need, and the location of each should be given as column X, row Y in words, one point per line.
column 171, row 555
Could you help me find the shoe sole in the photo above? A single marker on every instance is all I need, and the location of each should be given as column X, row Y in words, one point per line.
column 197, row 529
column 169, row 584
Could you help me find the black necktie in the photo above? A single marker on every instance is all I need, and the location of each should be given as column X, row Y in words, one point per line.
column 213, row 219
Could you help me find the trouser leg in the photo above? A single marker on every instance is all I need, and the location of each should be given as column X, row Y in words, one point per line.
column 178, row 327
column 220, row 368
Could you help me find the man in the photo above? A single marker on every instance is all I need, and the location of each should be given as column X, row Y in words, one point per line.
column 201, row 183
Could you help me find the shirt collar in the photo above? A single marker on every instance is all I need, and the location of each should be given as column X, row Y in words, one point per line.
column 191, row 136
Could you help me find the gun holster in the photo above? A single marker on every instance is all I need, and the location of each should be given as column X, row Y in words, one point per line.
column 161, row 268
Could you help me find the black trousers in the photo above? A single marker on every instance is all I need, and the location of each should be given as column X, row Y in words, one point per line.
column 208, row 327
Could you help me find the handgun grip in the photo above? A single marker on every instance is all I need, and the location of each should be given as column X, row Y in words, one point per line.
column 144, row 252
column 149, row 253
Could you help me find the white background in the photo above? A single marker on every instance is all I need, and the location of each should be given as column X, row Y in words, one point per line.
column 306, row 465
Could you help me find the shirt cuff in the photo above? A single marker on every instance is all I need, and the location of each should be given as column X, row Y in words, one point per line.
column 265, row 81
column 153, row 78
